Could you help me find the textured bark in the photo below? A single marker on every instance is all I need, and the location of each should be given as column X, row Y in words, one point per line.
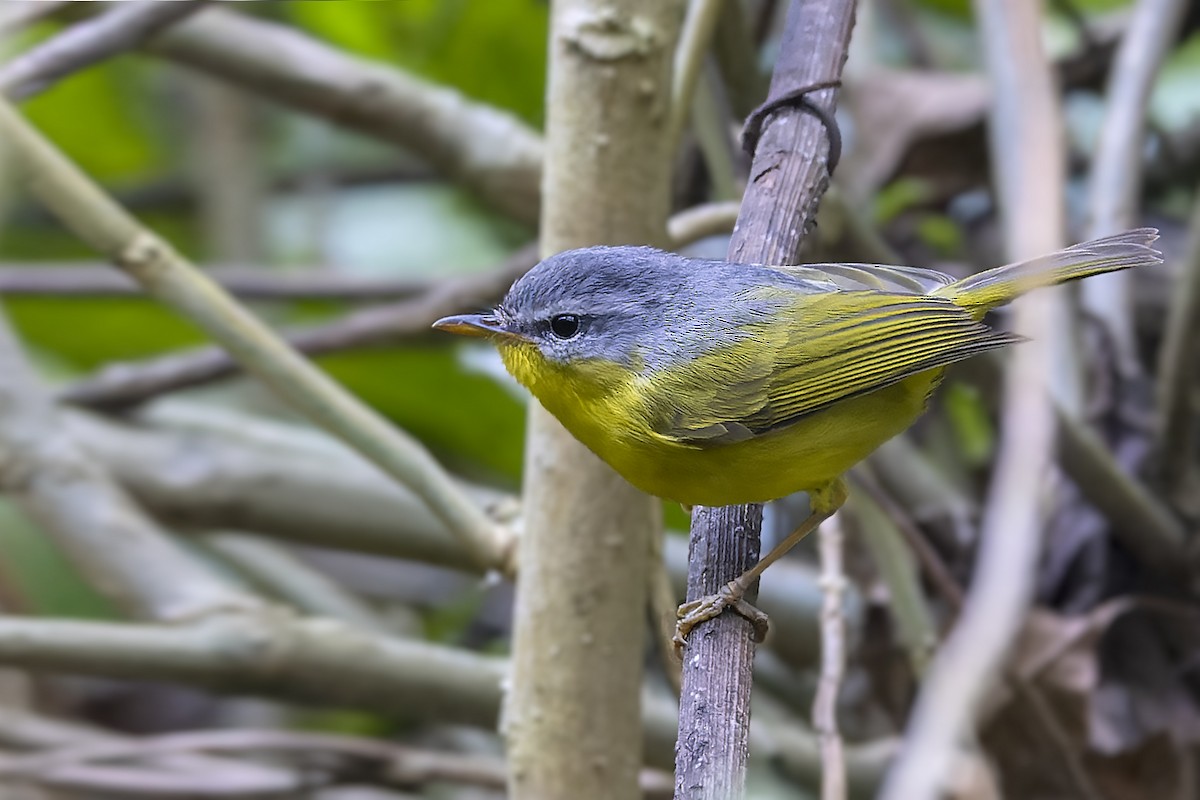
column 787, row 179
column 572, row 720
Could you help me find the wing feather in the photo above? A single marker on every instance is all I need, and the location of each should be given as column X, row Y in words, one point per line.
column 833, row 346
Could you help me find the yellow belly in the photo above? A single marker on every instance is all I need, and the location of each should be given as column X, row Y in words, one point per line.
column 803, row 456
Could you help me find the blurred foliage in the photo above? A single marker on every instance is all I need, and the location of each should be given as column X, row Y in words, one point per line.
column 491, row 50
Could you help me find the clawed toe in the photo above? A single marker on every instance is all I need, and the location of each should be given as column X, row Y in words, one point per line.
column 694, row 612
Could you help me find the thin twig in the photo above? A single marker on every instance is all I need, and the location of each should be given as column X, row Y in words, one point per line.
column 709, row 219
column 92, row 279
column 27, row 731
column 833, row 661
column 123, row 28
column 395, row 765
column 1030, row 697
column 270, row 566
column 893, row 558
column 1117, row 167
column 166, row 275
column 1028, row 163
column 695, row 42
column 126, row 384
column 1177, row 373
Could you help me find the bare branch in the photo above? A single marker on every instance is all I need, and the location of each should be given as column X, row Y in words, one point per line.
column 123, row 28
column 16, row 17
column 272, row 567
column 121, row 385
column 1177, row 374
column 487, row 150
column 915, row 624
column 710, row 219
column 833, row 661
column 1028, row 163
column 75, row 503
column 788, row 177
column 571, row 724
column 1116, row 177
column 273, row 653
column 223, row 469
column 91, row 279
column 695, row 42
column 1139, row 519
column 201, row 468
column 167, row 276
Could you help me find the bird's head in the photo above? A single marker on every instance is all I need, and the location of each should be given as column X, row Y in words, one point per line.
column 600, row 305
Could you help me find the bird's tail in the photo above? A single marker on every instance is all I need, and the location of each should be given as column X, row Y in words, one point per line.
column 986, row 290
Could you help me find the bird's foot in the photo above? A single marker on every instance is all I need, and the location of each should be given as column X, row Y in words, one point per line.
column 730, row 596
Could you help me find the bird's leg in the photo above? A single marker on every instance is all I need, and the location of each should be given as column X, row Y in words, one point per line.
column 823, row 502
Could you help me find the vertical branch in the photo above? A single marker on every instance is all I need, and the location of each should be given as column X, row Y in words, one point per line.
column 787, row 178
column 1177, row 370
column 1028, row 165
column 225, row 154
column 833, row 660
column 572, row 720
column 1117, row 169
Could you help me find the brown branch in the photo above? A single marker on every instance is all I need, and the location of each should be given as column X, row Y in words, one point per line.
column 788, row 176
column 123, row 28
column 122, row 385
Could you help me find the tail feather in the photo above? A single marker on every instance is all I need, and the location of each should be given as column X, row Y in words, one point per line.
column 986, row 290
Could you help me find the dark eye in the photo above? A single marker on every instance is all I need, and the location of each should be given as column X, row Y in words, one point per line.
column 564, row 326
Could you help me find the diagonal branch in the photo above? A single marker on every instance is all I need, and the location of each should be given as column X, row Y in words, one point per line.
column 111, row 541
column 163, row 273
column 132, row 383
column 123, row 28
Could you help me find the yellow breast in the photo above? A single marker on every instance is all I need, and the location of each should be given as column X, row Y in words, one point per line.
column 607, row 407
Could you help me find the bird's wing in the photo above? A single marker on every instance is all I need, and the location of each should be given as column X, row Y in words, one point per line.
column 873, row 277
column 827, row 347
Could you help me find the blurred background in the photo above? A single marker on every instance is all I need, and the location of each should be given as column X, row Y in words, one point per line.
column 353, row 171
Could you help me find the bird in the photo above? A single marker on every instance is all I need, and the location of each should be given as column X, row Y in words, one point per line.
column 715, row 383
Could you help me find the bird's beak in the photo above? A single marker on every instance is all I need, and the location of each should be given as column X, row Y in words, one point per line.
column 487, row 326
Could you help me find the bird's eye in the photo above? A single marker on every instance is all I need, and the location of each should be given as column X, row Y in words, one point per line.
column 564, row 326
